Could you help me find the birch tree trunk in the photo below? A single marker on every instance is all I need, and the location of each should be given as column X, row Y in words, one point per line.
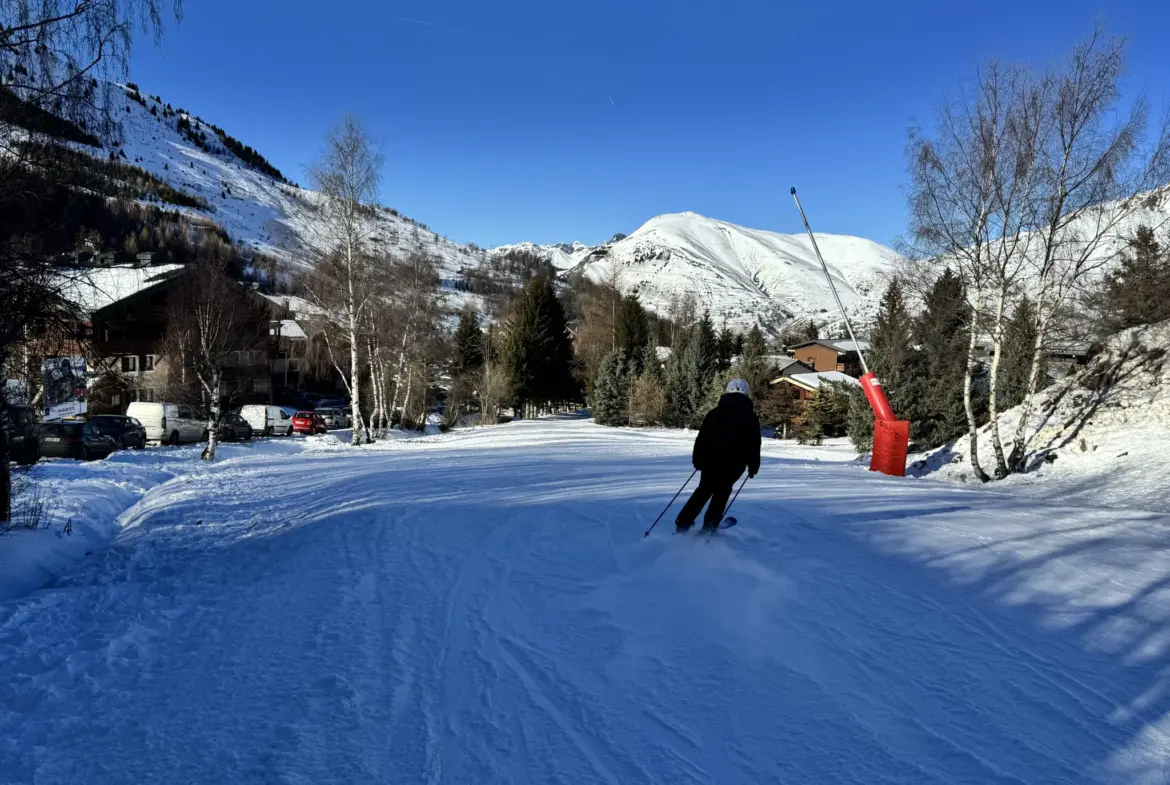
column 5, row 442
column 355, row 390
column 968, row 379
column 213, row 392
column 406, row 400
column 1020, row 440
column 1001, row 468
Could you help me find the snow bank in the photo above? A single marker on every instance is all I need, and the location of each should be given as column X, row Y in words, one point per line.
column 93, row 499
column 1096, row 438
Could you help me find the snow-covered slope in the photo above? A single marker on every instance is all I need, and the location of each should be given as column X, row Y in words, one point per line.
column 745, row 276
column 1098, row 437
column 303, row 613
column 257, row 209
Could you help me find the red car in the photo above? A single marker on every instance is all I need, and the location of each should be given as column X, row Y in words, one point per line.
column 309, row 422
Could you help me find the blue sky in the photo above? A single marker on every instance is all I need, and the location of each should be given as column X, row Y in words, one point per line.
column 556, row 121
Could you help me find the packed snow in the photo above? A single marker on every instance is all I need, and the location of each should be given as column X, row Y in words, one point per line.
column 482, row 607
column 1097, row 437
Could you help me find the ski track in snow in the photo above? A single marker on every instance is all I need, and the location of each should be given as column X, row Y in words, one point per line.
column 482, row 608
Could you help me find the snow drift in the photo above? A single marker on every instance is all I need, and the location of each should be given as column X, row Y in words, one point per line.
column 1098, row 437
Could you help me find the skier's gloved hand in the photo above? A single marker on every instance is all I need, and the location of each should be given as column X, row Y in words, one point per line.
column 751, row 475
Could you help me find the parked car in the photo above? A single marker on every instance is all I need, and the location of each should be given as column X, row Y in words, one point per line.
column 267, row 420
column 24, row 443
column 334, row 418
column 332, row 403
column 74, row 439
column 169, row 423
column 234, row 428
column 126, row 432
column 309, row 423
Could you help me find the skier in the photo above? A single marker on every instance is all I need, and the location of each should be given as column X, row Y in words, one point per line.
column 728, row 443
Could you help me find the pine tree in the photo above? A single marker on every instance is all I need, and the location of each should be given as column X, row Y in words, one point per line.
column 934, row 388
column 632, row 330
column 609, row 403
column 707, row 351
column 724, row 349
column 1015, row 365
column 539, row 352
column 890, row 340
column 467, row 344
column 1138, row 291
column 752, row 366
column 825, row 411
column 688, row 379
column 778, row 407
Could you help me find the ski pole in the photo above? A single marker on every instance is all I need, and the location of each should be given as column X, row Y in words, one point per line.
column 680, row 490
column 736, row 496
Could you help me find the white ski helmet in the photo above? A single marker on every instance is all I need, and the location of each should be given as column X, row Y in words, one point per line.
column 738, row 386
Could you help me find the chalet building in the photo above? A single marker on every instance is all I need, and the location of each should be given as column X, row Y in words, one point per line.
column 122, row 340
column 831, row 355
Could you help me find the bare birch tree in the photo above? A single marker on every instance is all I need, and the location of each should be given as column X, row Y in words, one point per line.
column 343, row 282
column 210, row 322
column 1099, row 168
column 952, row 200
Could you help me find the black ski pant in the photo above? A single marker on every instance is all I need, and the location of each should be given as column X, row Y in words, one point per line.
column 714, row 487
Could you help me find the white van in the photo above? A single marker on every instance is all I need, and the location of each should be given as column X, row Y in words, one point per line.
column 169, row 423
column 268, row 420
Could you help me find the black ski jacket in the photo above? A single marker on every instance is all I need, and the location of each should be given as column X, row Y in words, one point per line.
column 729, row 440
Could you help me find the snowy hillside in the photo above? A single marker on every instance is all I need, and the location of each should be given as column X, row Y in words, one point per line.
column 256, row 208
column 745, row 276
column 1098, row 437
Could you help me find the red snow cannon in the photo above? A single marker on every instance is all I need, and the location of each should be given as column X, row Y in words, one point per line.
column 891, row 437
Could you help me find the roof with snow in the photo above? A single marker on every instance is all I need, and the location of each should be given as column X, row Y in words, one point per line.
column 839, row 345
column 298, row 306
column 811, row 381
column 290, row 329
column 99, row 287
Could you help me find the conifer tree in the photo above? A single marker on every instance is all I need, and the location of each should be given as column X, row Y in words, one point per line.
column 539, row 352
column 1015, row 365
column 1138, row 291
column 752, row 367
column 467, row 344
column 706, row 350
column 610, row 400
column 890, row 340
column 632, row 329
column 934, row 399
column 724, row 349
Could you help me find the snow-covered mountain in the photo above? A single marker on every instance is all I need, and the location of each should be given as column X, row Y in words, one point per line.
column 744, row 276
column 741, row 275
column 259, row 210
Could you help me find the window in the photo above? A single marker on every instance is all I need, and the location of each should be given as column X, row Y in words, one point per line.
column 294, row 364
column 185, row 413
column 148, row 362
column 811, row 362
column 129, row 364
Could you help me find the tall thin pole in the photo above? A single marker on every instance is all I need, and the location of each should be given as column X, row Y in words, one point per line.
column 829, row 278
